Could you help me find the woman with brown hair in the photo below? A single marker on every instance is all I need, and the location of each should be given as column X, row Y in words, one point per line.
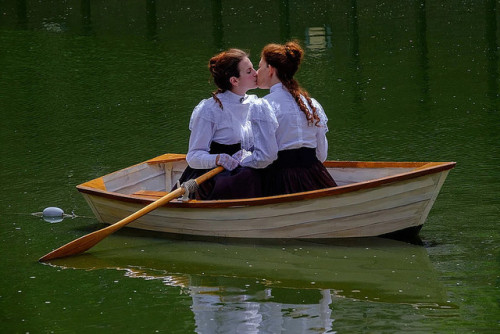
column 220, row 128
column 302, row 125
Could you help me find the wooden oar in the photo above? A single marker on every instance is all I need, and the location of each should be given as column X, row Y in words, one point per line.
column 86, row 242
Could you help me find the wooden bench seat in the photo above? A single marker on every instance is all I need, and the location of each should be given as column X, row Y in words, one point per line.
column 150, row 194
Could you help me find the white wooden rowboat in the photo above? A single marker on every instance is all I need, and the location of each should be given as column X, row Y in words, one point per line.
column 372, row 199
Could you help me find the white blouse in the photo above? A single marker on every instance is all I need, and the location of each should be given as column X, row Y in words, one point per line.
column 293, row 130
column 227, row 126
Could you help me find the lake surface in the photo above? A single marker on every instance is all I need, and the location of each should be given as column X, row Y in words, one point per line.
column 89, row 87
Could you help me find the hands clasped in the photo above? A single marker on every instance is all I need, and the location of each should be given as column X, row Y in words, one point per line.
column 231, row 162
column 227, row 161
column 241, row 154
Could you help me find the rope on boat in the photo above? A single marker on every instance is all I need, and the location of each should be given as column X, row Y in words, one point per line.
column 190, row 186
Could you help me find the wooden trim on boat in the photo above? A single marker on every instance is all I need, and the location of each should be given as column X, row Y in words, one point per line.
column 172, row 157
column 165, row 158
column 97, row 184
column 374, row 164
column 421, row 169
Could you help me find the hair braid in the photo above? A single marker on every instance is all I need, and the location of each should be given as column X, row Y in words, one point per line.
column 297, row 93
column 214, row 95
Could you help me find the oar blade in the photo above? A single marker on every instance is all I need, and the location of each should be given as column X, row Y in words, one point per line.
column 77, row 246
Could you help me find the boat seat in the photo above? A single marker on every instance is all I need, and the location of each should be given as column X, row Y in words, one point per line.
column 150, row 194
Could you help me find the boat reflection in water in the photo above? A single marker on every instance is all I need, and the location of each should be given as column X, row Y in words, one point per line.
column 273, row 285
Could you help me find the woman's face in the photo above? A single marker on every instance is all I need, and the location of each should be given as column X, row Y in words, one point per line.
column 248, row 76
column 263, row 75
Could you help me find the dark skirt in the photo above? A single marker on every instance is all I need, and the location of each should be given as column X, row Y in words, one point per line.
column 242, row 182
column 295, row 171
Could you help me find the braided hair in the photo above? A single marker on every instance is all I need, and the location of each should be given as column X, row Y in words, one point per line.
column 286, row 60
column 223, row 66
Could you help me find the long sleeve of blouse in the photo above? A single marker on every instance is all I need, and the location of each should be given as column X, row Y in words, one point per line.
column 321, row 140
column 202, row 132
column 263, row 125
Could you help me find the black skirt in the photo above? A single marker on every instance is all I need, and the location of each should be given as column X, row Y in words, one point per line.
column 295, row 171
column 242, row 182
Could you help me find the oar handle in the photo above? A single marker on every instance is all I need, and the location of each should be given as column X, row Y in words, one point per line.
column 86, row 242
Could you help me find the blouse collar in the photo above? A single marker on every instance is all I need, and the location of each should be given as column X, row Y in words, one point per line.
column 275, row 87
column 232, row 97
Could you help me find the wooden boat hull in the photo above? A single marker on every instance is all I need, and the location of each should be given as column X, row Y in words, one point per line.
column 372, row 199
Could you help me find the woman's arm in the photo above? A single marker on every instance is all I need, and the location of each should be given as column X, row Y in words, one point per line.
column 322, row 145
column 265, row 146
column 264, row 125
column 202, row 132
column 321, row 140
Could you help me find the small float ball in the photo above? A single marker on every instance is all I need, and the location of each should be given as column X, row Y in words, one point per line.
column 53, row 214
column 52, row 211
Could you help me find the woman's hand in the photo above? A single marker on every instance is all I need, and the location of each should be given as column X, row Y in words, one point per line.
column 226, row 161
column 241, row 154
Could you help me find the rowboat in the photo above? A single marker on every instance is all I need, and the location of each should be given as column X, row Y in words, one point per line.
column 371, row 199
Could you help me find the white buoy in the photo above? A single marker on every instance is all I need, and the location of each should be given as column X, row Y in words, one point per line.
column 53, row 211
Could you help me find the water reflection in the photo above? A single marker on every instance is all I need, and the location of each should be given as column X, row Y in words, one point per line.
column 355, row 59
column 284, row 15
column 217, row 25
column 22, row 18
column 151, row 20
column 492, row 53
column 86, row 18
column 217, row 312
column 318, row 39
column 423, row 58
column 292, row 285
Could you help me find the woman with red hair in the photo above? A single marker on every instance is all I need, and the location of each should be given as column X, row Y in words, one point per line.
column 302, row 125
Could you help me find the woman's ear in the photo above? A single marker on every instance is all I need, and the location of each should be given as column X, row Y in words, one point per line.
column 272, row 71
column 234, row 81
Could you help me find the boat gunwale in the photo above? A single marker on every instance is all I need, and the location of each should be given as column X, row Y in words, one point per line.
column 420, row 170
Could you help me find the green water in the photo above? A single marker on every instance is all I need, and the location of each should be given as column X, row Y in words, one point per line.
column 89, row 87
